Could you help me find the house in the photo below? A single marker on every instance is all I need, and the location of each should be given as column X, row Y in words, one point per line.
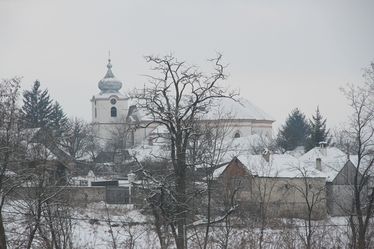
column 340, row 170
column 275, row 185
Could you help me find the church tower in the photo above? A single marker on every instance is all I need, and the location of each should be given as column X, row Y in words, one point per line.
column 109, row 106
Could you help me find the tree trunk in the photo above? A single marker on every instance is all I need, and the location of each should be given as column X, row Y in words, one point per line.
column 208, row 215
column 158, row 227
column 36, row 226
column 181, row 214
column 361, row 240
column 2, row 233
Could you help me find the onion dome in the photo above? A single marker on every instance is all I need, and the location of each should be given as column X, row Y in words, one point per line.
column 110, row 84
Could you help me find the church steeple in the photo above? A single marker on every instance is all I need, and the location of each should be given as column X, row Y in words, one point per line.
column 109, row 84
column 109, row 73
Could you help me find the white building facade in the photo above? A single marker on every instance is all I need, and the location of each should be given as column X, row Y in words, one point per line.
column 109, row 107
column 113, row 111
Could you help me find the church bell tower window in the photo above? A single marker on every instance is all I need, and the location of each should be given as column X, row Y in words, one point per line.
column 237, row 135
column 113, row 112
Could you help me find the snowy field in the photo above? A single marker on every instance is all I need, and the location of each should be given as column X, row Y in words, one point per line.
column 119, row 226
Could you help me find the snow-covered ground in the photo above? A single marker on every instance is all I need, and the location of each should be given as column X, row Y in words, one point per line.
column 100, row 226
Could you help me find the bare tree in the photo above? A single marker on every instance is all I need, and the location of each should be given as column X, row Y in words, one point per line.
column 43, row 202
column 41, row 199
column 120, row 142
column 361, row 131
column 265, row 187
column 93, row 145
column 207, row 151
column 312, row 192
column 75, row 138
column 9, row 142
column 177, row 96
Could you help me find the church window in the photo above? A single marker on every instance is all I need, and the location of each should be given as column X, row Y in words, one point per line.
column 113, row 112
column 95, row 112
column 113, row 101
column 237, row 135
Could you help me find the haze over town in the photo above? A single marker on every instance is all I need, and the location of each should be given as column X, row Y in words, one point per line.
column 281, row 54
column 170, row 124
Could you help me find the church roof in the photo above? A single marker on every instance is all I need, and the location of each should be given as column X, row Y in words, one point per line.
column 226, row 108
column 109, row 84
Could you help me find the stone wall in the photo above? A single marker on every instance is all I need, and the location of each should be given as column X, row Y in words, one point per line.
column 76, row 196
column 85, row 195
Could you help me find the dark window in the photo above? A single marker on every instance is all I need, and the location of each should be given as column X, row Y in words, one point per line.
column 237, row 135
column 113, row 112
column 95, row 112
column 83, row 183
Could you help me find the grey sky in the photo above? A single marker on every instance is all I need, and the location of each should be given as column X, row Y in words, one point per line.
column 282, row 54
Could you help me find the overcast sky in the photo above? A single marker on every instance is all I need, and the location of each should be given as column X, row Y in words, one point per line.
column 281, row 54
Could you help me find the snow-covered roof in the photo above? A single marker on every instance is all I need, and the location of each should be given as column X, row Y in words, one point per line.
column 226, row 108
column 245, row 144
column 37, row 151
column 222, row 108
column 279, row 165
column 297, row 152
column 147, row 152
column 332, row 160
column 232, row 147
column 160, row 129
column 142, row 115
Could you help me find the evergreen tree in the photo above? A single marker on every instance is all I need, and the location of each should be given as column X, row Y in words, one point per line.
column 58, row 120
column 294, row 132
column 39, row 110
column 318, row 131
column 37, row 107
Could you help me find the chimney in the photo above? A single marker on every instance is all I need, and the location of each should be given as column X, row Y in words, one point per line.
column 266, row 155
column 319, row 164
column 131, row 177
column 348, row 155
column 323, row 148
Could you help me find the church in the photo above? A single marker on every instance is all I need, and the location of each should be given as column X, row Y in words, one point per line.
column 115, row 111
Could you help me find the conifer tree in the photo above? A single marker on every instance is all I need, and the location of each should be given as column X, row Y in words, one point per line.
column 37, row 107
column 318, row 131
column 39, row 110
column 294, row 132
column 58, row 120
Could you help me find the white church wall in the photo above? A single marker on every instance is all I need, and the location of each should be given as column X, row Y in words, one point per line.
column 141, row 134
column 102, row 109
column 110, row 96
column 263, row 128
